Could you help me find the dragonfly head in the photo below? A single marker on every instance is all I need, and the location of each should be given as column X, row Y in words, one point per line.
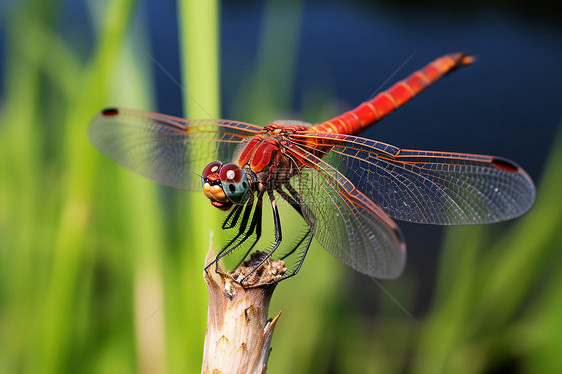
column 225, row 185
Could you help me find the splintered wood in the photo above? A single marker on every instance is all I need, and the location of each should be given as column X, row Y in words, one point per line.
column 239, row 333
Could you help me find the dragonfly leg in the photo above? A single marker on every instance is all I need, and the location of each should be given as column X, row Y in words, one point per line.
column 231, row 221
column 298, row 267
column 255, row 224
column 232, row 218
column 294, row 201
column 242, row 228
column 293, row 193
column 296, row 246
column 278, row 234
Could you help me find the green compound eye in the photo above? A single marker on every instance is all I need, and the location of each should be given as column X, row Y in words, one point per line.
column 234, row 183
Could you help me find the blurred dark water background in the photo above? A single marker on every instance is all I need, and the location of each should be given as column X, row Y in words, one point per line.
column 306, row 60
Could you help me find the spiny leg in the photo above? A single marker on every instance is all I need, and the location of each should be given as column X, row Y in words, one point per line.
column 278, row 234
column 292, row 191
column 294, row 201
column 232, row 218
column 296, row 246
column 298, row 267
column 257, row 217
column 231, row 221
column 243, row 223
column 254, row 225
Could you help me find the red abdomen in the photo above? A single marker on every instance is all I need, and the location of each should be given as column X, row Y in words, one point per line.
column 372, row 111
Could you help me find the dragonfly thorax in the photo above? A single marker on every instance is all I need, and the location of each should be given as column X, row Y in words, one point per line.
column 264, row 160
column 225, row 185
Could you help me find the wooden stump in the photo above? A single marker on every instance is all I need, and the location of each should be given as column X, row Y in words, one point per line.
column 239, row 333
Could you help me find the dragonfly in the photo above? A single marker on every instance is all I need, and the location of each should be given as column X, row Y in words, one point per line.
column 348, row 189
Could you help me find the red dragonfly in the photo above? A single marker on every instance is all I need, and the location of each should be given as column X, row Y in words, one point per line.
column 348, row 189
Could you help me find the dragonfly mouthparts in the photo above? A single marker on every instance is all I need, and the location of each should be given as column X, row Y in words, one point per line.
column 221, row 206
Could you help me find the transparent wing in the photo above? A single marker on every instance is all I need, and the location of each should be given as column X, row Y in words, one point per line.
column 344, row 221
column 425, row 186
column 166, row 149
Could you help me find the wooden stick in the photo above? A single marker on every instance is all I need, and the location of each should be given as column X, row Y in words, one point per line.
column 239, row 334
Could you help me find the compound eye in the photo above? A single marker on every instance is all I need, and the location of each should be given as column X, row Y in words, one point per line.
column 231, row 173
column 235, row 183
column 213, row 167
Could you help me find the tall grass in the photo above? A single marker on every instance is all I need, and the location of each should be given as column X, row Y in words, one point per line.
column 52, row 183
column 198, row 28
column 93, row 258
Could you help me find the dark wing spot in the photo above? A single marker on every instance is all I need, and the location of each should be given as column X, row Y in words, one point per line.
column 110, row 112
column 232, row 188
column 244, row 184
column 504, row 164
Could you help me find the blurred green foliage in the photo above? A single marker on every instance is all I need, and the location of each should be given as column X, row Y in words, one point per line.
column 94, row 259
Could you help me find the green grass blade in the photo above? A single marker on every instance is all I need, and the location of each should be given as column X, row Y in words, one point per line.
column 198, row 24
column 55, row 336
